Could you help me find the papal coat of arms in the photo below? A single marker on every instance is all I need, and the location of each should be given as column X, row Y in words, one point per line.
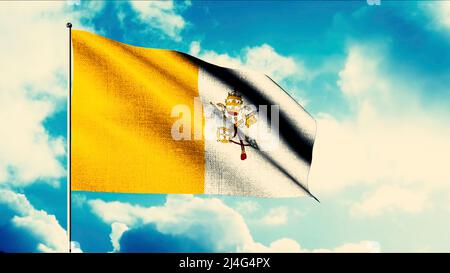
column 235, row 116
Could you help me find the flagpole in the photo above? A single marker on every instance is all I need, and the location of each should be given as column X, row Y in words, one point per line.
column 69, row 139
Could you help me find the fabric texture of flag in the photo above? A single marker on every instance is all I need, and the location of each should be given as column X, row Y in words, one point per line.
column 160, row 121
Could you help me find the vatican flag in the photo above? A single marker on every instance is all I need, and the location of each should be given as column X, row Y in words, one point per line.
column 160, row 121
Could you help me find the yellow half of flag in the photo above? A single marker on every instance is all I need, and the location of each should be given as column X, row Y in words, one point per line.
column 122, row 98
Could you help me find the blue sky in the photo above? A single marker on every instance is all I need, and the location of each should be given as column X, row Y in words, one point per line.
column 376, row 78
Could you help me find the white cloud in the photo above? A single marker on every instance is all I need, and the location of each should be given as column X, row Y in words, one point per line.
column 39, row 223
column 187, row 215
column 201, row 219
column 29, row 85
column 161, row 15
column 284, row 245
column 275, row 217
column 265, row 58
column 363, row 246
column 27, row 151
column 75, row 247
column 194, row 49
column 391, row 198
column 261, row 58
column 448, row 201
column 246, row 207
column 288, row 245
column 117, row 229
column 393, row 140
column 34, row 46
column 360, row 76
column 34, row 60
column 440, row 12
column 280, row 245
column 78, row 199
